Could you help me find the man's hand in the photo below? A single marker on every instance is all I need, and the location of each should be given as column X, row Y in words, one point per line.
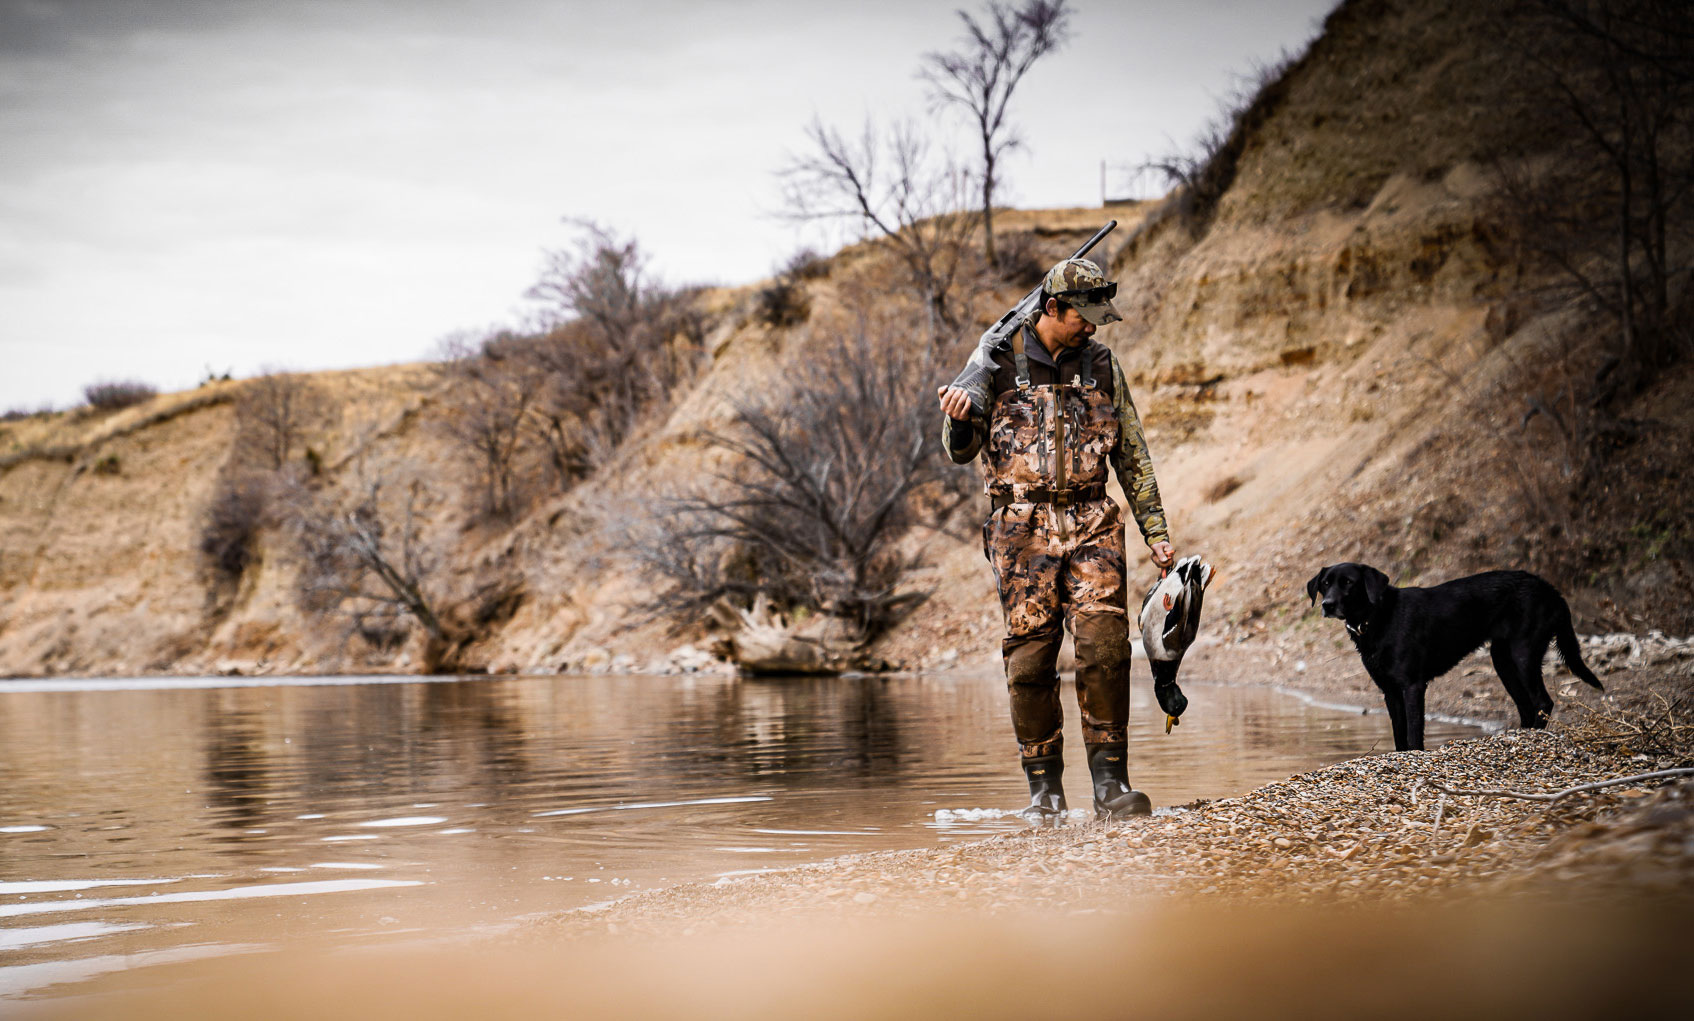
column 1163, row 554
column 954, row 402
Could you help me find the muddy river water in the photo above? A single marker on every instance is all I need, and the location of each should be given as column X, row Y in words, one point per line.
column 157, row 820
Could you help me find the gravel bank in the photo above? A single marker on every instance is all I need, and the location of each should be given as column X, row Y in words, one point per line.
column 1370, row 830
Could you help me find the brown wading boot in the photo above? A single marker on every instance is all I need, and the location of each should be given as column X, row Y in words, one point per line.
column 1046, row 794
column 1113, row 798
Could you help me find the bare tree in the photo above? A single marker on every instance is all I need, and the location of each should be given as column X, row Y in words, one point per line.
column 364, row 557
column 614, row 345
column 891, row 186
column 272, row 415
column 1612, row 207
column 491, row 396
column 981, row 75
column 816, row 492
column 601, row 279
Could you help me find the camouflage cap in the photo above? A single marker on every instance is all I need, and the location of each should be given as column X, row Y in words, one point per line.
column 1082, row 285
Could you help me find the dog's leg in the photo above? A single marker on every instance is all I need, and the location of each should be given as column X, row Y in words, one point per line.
column 1396, row 716
column 1499, row 650
column 1414, row 716
column 1526, row 655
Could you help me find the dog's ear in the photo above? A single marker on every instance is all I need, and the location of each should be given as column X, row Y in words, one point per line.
column 1376, row 583
column 1315, row 584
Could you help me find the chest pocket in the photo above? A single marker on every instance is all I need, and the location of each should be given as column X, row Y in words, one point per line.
column 1093, row 437
column 1019, row 450
column 1049, row 437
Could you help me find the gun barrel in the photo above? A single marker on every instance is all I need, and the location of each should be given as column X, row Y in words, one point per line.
column 1088, row 246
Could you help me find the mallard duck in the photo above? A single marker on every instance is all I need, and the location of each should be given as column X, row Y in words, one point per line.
column 1170, row 618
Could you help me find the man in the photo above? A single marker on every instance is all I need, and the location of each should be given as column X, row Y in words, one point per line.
column 1058, row 411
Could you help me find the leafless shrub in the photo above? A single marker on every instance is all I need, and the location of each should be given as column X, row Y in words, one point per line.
column 1661, row 727
column 272, row 416
column 240, row 508
column 19, row 414
column 891, row 186
column 363, row 557
column 614, row 346
column 784, row 302
column 806, row 264
column 110, row 395
column 607, row 347
column 980, row 76
column 781, row 303
column 815, row 495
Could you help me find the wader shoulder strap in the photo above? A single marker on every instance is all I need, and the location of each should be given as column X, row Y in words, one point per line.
column 1088, row 364
column 1019, row 359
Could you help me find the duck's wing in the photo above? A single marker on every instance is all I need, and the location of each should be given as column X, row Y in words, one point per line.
column 1182, row 623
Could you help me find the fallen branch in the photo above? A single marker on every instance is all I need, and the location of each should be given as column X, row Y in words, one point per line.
column 1663, row 774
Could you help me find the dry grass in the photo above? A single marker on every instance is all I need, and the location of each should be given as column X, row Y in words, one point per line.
column 71, row 451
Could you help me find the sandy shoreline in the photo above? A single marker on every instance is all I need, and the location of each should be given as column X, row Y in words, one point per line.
column 1361, row 830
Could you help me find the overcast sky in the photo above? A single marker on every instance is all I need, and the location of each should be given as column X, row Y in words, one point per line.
column 234, row 184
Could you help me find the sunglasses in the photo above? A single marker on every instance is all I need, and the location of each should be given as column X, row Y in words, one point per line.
column 1092, row 296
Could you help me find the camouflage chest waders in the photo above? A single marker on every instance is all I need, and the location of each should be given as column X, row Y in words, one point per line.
column 1056, row 543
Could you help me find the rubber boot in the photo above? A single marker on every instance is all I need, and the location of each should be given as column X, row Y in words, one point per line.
column 1046, row 792
column 1113, row 798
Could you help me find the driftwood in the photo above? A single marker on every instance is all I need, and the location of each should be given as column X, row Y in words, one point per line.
column 1663, row 774
column 760, row 642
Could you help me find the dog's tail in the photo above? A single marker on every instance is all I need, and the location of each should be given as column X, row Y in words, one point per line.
column 1571, row 650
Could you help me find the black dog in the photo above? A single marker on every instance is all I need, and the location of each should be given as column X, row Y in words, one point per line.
column 1410, row 636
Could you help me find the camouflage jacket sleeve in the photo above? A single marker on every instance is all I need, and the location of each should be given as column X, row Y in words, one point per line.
column 1134, row 465
column 963, row 440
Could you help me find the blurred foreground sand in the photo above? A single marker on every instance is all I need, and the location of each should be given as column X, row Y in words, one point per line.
column 1533, row 955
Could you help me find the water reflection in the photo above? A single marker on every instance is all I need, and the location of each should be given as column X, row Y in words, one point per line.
column 488, row 798
column 236, row 771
